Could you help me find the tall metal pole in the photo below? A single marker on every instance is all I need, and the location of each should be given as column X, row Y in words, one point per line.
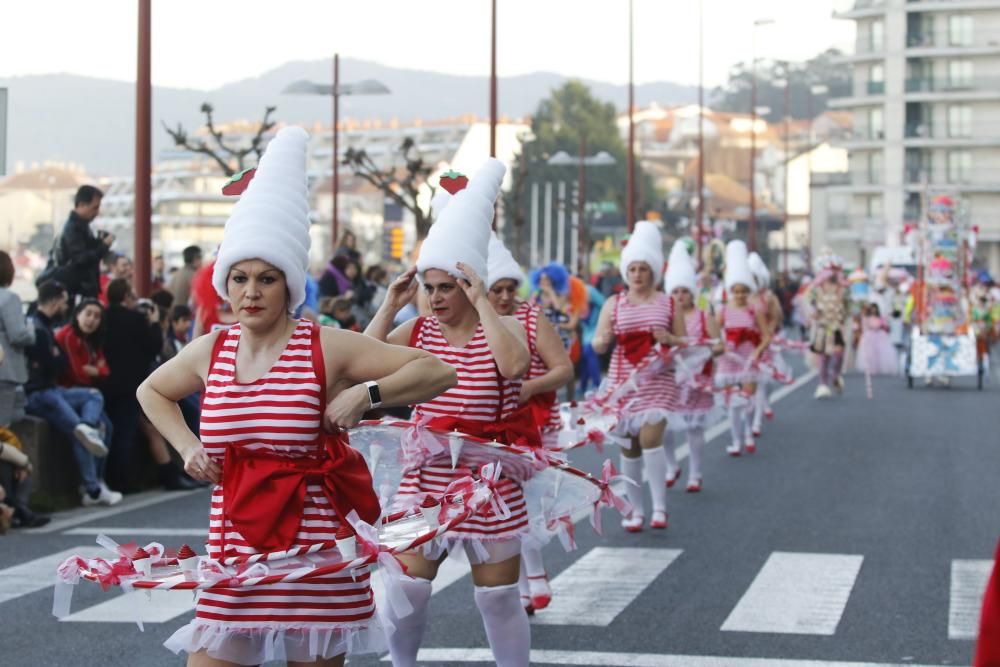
column 335, row 180
column 630, row 169
column 583, row 245
column 788, row 164
column 143, row 151
column 493, row 80
column 752, row 228
column 701, row 131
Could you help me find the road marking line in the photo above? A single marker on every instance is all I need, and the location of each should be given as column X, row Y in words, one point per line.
column 554, row 657
column 80, row 515
column 159, row 607
column 35, row 575
column 597, row 587
column 797, row 593
column 968, row 585
column 153, row 532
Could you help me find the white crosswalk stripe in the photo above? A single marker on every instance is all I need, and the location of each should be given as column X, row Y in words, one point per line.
column 158, row 607
column 38, row 574
column 797, row 593
column 968, row 585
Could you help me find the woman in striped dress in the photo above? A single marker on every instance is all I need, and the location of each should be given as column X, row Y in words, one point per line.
column 767, row 302
column 637, row 321
column 550, row 369
column 746, row 335
column 265, row 382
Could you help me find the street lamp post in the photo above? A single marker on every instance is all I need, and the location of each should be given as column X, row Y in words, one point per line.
column 630, row 167
column 366, row 87
column 143, row 235
column 818, row 89
column 493, row 80
column 564, row 159
column 701, row 131
column 752, row 230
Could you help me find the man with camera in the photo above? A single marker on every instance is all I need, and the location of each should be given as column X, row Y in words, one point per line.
column 79, row 251
column 134, row 338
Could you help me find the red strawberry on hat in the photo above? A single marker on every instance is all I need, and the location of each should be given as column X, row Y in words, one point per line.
column 453, row 181
column 239, row 182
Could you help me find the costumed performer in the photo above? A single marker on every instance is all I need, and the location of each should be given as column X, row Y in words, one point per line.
column 638, row 321
column 876, row 353
column 286, row 482
column 694, row 405
column 745, row 329
column 769, row 304
column 550, row 369
column 490, row 354
column 830, row 303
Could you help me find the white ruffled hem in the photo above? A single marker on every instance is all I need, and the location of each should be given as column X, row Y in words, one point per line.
column 695, row 419
column 729, row 379
column 300, row 642
column 478, row 550
column 630, row 424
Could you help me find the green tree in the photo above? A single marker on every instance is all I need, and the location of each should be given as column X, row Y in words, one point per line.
column 823, row 70
column 569, row 116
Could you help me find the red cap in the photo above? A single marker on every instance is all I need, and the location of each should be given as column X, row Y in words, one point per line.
column 185, row 552
column 573, row 404
column 140, row 553
column 344, row 532
column 429, row 502
column 581, row 421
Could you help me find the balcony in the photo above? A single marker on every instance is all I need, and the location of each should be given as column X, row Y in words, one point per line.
column 950, row 5
column 918, row 131
column 920, row 40
column 856, row 9
column 971, row 88
column 875, row 87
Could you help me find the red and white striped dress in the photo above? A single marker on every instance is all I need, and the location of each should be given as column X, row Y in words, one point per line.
column 481, row 394
column 739, row 329
column 527, row 314
column 280, row 413
column 694, row 405
column 656, row 394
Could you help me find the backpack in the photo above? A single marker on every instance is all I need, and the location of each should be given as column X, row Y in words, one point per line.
column 52, row 270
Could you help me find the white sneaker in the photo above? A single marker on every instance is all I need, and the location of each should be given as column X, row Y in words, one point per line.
column 839, row 384
column 822, row 391
column 105, row 497
column 90, row 438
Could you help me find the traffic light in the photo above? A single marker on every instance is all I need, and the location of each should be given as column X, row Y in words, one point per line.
column 396, row 243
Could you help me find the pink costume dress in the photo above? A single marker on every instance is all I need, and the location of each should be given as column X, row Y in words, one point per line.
column 548, row 420
column 482, row 395
column 279, row 414
column 694, row 407
column 654, row 395
column 876, row 353
column 741, row 335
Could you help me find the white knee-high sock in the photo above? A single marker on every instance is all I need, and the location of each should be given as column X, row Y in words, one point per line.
column 656, row 473
column 506, row 624
column 531, row 561
column 405, row 640
column 747, row 426
column 736, row 424
column 632, row 468
column 759, row 405
column 696, row 440
column 522, row 581
column 668, row 448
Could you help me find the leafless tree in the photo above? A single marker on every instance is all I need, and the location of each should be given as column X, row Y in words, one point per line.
column 399, row 183
column 230, row 158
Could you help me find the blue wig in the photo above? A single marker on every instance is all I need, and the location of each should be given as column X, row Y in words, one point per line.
column 558, row 275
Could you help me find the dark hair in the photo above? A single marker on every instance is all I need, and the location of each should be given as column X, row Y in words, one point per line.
column 341, row 262
column 49, row 291
column 375, row 273
column 87, row 194
column 191, row 253
column 6, row 269
column 180, row 312
column 874, row 306
column 117, row 290
column 163, row 300
column 95, row 339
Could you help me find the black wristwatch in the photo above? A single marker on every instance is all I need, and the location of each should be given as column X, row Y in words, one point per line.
column 374, row 395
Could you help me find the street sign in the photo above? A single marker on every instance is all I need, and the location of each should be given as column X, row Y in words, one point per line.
column 3, row 131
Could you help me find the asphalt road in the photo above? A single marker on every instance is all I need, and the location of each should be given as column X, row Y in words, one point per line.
column 859, row 533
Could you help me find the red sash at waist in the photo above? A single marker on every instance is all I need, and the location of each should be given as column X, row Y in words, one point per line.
column 265, row 493
column 741, row 335
column 636, row 344
column 517, row 428
column 541, row 407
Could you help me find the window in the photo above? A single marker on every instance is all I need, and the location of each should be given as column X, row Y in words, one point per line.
column 959, row 120
column 876, row 74
column 959, row 166
column 960, row 30
column 959, row 72
column 876, row 38
column 876, row 130
column 873, row 207
column 875, row 167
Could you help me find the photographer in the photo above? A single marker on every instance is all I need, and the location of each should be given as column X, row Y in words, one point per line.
column 134, row 339
column 79, row 251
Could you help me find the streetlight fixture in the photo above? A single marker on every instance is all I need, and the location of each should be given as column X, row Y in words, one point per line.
column 599, row 159
column 752, row 230
column 815, row 90
column 336, row 89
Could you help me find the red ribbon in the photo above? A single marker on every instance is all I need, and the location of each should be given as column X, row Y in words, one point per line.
column 740, row 335
column 518, row 428
column 265, row 493
column 541, row 407
column 608, row 498
column 636, row 345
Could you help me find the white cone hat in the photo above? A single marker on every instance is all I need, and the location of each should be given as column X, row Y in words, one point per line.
column 645, row 245
column 270, row 222
column 501, row 264
column 759, row 270
column 680, row 269
column 462, row 230
column 737, row 266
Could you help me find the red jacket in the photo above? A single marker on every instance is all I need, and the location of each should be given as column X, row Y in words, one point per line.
column 80, row 354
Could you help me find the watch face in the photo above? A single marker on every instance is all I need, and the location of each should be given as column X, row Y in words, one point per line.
column 374, row 395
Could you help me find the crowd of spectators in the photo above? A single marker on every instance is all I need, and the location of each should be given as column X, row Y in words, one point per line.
column 75, row 357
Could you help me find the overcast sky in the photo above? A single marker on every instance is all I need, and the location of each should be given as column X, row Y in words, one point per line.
column 205, row 43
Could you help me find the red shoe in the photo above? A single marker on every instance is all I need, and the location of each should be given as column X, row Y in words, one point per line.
column 633, row 523
column 659, row 520
column 751, row 447
column 756, row 432
column 541, row 594
column 694, row 486
column 769, row 414
column 526, row 603
column 673, row 480
column 733, row 450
